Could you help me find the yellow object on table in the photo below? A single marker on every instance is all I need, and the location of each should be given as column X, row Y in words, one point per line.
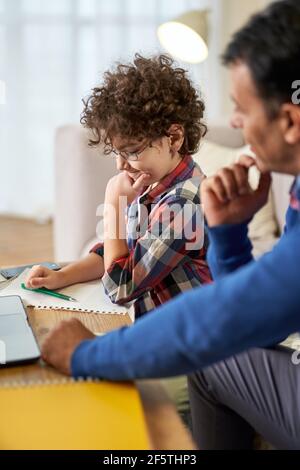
column 72, row 415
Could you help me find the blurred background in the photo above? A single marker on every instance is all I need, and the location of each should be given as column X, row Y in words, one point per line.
column 51, row 54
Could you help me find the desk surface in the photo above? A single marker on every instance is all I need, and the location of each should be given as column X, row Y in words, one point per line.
column 166, row 430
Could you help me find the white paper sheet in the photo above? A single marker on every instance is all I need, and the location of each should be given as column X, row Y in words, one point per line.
column 90, row 297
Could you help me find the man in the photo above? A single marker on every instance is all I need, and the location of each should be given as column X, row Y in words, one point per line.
column 251, row 304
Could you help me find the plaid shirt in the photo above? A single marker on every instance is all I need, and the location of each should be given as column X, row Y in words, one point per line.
column 167, row 243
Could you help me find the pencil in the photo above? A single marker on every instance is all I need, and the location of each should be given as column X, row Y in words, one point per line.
column 43, row 290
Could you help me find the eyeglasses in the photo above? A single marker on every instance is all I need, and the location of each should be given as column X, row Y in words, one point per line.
column 131, row 156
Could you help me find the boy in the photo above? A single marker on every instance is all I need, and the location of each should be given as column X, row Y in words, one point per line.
column 150, row 117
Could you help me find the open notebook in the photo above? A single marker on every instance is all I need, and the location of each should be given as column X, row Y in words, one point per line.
column 90, row 296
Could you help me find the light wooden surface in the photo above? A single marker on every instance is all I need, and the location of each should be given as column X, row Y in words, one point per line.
column 166, row 430
column 23, row 241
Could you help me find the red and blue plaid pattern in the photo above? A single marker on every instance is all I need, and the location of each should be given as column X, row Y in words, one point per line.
column 164, row 260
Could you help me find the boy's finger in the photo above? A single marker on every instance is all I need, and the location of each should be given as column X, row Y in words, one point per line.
column 37, row 271
column 34, row 269
column 38, row 282
column 140, row 182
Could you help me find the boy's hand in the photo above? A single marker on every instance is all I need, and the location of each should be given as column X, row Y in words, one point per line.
column 227, row 197
column 60, row 344
column 123, row 185
column 40, row 276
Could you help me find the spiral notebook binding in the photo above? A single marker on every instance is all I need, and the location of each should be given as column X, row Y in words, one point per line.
column 74, row 309
column 14, row 384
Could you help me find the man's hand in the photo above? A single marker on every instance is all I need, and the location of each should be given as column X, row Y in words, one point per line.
column 123, row 185
column 60, row 344
column 227, row 197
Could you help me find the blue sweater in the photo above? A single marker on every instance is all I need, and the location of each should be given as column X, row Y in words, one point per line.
column 251, row 304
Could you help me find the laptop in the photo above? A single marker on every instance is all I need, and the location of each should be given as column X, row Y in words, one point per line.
column 17, row 342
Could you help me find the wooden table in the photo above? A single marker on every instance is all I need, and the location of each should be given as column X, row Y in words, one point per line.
column 166, row 430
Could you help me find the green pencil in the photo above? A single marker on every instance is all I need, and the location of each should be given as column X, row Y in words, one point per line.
column 43, row 290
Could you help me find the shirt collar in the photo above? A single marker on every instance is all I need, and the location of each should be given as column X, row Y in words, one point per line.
column 295, row 194
column 182, row 172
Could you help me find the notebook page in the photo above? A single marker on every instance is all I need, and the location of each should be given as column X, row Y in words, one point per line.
column 90, row 297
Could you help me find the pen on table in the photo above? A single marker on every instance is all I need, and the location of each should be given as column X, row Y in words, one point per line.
column 43, row 290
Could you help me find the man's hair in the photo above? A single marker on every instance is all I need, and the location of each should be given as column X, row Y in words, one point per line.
column 141, row 100
column 269, row 44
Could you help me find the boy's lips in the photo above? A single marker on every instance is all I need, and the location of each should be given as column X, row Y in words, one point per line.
column 135, row 175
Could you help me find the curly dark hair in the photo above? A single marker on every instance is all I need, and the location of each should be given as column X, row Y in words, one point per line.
column 142, row 100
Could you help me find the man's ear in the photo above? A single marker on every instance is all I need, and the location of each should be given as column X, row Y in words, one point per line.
column 176, row 137
column 291, row 113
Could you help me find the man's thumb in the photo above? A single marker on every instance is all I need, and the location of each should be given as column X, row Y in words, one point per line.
column 265, row 182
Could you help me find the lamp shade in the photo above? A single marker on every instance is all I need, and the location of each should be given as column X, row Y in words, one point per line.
column 185, row 37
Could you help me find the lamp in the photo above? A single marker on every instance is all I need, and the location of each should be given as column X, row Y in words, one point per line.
column 186, row 37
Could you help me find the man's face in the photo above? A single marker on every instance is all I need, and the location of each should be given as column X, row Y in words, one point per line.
column 263, row 134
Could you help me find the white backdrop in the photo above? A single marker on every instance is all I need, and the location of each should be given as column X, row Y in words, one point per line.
column 51, row 54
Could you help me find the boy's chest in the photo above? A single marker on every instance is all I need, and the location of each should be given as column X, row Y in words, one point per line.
column 138, row 219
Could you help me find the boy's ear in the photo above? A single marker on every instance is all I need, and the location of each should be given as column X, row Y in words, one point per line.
column 291, row 119
column 176, row 136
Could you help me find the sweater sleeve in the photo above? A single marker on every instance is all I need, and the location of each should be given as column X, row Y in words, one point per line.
column 229, row 249
column 254, row 306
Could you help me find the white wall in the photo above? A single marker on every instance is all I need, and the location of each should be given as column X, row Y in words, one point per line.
column 227, row 16
column 51, row 55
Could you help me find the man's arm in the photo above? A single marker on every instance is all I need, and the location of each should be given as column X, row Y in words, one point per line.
column 252, row 307
column 256, row 305
column 229, row 249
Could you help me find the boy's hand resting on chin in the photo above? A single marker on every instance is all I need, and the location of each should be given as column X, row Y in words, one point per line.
column 227, row 197
column 123, row 185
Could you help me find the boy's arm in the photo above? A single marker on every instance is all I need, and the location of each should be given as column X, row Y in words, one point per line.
column 89, row 268
column 173, row 233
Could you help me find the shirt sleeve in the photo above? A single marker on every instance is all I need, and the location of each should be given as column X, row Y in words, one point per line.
column 229, row 249
column 174, row 231
column 254, row 306
column 98, row 249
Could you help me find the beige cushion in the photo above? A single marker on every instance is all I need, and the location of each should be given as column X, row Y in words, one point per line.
column 263, row 229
